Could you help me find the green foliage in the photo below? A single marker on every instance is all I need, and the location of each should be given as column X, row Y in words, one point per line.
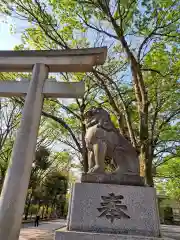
column 48, row 182
column 55, row 183
column 170, row 171
column 42, row 158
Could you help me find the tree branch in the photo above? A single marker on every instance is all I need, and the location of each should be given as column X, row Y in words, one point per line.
column 152, row 70
column 125, row 110
column 65, row 125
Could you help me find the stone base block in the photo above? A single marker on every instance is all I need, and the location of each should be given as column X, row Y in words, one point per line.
column 111, row 178
column 63, row 234
column 105, row 208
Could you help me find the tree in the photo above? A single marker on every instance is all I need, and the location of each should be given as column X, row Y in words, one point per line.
column 48, row 167
column 139, row 82
column 10, row 116
column 50, row 194
column 40, row 164
column 151, row 22
column 55, row 187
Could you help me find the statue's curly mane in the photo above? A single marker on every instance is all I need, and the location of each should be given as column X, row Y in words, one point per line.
column 100, row 117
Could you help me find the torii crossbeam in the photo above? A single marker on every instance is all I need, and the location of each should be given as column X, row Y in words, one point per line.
column 50, row 89
column 16, row 182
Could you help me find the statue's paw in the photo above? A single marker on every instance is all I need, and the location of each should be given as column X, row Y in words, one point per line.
column 90, row 170
column 97, row 169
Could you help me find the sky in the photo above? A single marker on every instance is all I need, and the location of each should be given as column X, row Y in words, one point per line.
column 8, row 40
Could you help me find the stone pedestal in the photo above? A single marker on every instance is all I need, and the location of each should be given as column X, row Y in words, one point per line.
column 114, row 209
column 63, row 234
column 107, row 211
column 121, row 179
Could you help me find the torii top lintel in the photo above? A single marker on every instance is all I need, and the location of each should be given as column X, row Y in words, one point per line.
column 74, row 60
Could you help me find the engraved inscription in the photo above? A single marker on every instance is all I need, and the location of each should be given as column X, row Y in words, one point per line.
column 111, row 207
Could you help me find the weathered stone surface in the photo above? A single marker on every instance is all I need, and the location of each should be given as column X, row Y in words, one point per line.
column 74, row 60
column 104, row 141
column 63, row 234
column 51, row 89
column 114, row 209
column 124, row 179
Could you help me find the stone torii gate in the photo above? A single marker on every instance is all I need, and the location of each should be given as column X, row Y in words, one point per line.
column 16, row 182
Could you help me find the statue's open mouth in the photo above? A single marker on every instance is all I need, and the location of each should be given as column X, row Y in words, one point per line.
column 88, row 114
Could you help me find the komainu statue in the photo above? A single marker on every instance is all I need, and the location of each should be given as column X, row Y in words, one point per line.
column 103, row 141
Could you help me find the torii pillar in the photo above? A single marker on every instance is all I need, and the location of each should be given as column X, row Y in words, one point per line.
column 16, row 182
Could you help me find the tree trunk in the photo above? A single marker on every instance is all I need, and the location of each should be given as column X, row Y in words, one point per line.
column 84, row 149
column 83, row 133
column 146, row 158
column 142, row 102
column 47, row 208
column 42, row 215
column 3, row 174
column 149, row 167
column 28, row 207
column 149, row 176
column 39, row 206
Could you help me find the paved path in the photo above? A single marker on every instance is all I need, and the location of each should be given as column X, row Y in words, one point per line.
column 171, row 231
column 45, row 231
